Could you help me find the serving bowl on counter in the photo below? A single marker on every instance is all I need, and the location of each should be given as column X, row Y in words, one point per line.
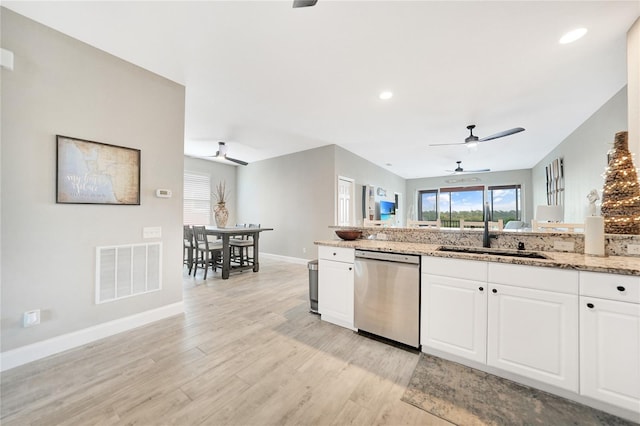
column 349, row 234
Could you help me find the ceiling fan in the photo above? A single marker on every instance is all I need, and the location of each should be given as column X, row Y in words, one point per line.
column 473, row 140
column 304, row 3
column 459, row 169
column 222, row 153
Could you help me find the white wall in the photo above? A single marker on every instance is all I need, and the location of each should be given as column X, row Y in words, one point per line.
column 633, row 86
column 585, row 157
column 512, row 177
column 62, row 86
column 217, row 172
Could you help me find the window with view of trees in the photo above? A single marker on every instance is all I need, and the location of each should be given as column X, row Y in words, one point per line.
column 453, row 204
column 505, row 202
column 428, row 204
column 461, row 203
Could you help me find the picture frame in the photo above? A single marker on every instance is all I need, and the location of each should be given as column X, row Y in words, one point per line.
column 89, row 172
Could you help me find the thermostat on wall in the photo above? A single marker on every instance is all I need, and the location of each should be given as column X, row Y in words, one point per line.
column 163, row 193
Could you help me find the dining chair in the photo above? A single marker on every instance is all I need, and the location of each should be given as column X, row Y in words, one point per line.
column 188, row 247
column 424, row 223
column 537, row 226
column 495, row 225
column 242, row 247
column 208, row 253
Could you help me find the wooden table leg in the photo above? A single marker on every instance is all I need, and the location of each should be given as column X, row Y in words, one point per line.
column 226, row 256
column 256, row 265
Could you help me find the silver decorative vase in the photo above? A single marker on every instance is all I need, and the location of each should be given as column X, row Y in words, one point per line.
column 221, row 215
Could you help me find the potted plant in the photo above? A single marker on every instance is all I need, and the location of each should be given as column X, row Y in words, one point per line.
column 220, row 212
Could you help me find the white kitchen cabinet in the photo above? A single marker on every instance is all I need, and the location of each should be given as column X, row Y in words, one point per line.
column 335, row 285
column 454, row 307
column 533, row 323
column 610, row 339
column 534, row 333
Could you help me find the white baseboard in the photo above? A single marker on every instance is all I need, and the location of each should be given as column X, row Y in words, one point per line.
column 35, row 351
column 297, row 260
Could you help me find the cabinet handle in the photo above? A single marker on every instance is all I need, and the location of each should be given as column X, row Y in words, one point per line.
column 334, row 254
column 620, row 288
column 590, row 305
column 481, row 288
column 350, row 268
column 494, row 291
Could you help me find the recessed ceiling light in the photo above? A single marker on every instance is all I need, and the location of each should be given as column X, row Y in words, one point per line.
column 573, row 35
column 385, row 95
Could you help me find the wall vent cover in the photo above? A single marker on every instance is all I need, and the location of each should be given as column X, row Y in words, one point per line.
column 127, row 270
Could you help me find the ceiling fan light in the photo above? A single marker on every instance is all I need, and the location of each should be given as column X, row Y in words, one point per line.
column 573, row 35
column 472, row 145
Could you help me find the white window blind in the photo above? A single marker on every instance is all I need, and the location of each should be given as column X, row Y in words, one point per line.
column 197, row 199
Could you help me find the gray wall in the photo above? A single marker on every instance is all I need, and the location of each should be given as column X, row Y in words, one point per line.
column 218, row 172
column 292, row 194
column 296, row 195
column 585, row 157
column 62, row 86
column 364, row 172
column 512, row 177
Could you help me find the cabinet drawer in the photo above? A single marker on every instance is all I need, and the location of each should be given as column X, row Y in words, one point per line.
column 536, row 277
column 624, row 288
column 475, row 270
column 339, row 254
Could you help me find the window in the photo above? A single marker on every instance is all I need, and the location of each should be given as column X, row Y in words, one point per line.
column 428, row 204
column 505, row 202
column 461, row 203
column 197, row 199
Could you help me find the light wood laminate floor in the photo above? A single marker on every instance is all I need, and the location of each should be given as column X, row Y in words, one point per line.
column 246, row 352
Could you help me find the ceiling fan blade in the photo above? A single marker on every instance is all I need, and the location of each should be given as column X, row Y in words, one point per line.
column 502, row 134
column 242, row 163
column 446, row 144
column 304, row 3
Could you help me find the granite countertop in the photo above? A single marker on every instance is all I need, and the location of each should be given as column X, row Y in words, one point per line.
column 612, row 264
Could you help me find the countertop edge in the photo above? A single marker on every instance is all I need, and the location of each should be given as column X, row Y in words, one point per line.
column 620, row 265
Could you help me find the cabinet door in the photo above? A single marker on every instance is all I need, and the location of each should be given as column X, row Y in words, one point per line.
column 534, row 333
column 335, row 292
column 610, row 351
column 454, row 316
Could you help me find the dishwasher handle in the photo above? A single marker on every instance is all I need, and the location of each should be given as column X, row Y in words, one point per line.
column 389, row 257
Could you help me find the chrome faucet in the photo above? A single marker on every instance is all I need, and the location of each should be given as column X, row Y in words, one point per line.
column 486, row 242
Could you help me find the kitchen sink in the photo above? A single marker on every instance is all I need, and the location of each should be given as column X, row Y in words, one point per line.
column 493, row 252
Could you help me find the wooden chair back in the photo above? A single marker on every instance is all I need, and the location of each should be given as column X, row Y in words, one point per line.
column 555, row 226
column 424, row 223
column 495, row 225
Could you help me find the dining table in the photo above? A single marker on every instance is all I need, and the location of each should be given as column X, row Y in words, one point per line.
column 225, row 234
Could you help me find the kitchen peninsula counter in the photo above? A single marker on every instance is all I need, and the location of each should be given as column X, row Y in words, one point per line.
column 624, row 265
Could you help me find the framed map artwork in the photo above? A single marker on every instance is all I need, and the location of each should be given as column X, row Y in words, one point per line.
column 96, row 173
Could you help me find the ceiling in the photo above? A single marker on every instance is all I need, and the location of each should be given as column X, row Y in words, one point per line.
column 271, row 80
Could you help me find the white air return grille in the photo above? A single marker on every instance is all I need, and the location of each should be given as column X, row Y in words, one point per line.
column 127, row 270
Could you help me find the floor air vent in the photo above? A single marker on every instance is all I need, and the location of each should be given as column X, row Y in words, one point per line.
column 127, row 270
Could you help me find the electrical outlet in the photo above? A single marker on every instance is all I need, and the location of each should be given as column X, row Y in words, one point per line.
column 304, row 249
column 633, row 249
column 564, row 245
column 31, row 318
column 381, row 236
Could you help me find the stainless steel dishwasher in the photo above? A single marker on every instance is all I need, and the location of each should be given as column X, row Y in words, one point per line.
column 387, row 295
